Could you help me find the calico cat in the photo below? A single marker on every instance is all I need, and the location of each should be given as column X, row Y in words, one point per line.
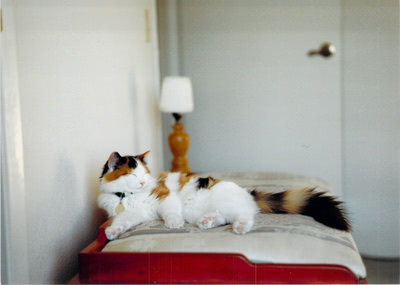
column 133, row 196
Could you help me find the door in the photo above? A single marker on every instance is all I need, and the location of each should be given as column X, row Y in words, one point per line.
column 264, row 104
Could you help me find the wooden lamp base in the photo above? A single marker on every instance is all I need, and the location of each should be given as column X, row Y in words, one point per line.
column 179, row 145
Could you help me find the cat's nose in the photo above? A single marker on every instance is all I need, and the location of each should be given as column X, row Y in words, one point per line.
column 141, row 184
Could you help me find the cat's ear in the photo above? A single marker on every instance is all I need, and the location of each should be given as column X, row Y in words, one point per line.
column 113, row 160
column 142, row 156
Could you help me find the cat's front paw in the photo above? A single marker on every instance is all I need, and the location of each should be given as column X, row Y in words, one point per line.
column 112, row 232
column 174, row 222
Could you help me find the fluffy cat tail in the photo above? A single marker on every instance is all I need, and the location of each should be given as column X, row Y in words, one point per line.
column 305, row 201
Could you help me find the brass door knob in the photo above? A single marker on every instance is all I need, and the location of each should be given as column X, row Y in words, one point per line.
column 325, row 50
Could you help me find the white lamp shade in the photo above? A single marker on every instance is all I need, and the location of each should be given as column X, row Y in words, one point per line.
column 176, row 95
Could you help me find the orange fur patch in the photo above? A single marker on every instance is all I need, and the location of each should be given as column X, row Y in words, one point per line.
column 161, row 191
column 143, row 155
column 163, row 175
column 295, row 199
column 262, row 201
column 212, row 182
column 123, row 170
column 183, row 179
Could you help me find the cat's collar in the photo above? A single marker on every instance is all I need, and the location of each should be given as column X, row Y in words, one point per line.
column 121, row 195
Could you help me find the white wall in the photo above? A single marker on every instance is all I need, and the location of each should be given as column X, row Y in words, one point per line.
column 370, row 111
column 14, row 250
column 371, row 118
column 261, row 104
column 87, row 80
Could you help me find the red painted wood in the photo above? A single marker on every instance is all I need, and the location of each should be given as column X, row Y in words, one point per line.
column 179, row 268
column 75, row 280
column 174, row 268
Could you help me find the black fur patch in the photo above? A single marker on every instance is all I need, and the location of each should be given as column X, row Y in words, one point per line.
column 120, row 195
column 132, row 163
column 118, row 163
column 105, row 170
column 275, row 202
column 326, row 210
column 203, row 183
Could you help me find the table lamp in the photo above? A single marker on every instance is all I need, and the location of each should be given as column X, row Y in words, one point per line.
column 177, row 98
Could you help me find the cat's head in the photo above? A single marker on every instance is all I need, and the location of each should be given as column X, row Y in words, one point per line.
column 125, row 173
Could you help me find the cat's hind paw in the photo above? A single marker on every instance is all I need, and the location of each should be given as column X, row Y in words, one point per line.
column 112, row 232
column 211, row 220
column 174, row 221
column 242, row 227
column 206, row 222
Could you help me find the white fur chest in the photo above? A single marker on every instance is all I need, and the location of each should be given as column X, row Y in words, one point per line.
column 143, row 203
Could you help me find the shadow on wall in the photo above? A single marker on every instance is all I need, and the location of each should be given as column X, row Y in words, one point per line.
column 66, row 200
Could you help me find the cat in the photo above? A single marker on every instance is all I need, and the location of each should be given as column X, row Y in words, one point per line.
column 131, row 195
